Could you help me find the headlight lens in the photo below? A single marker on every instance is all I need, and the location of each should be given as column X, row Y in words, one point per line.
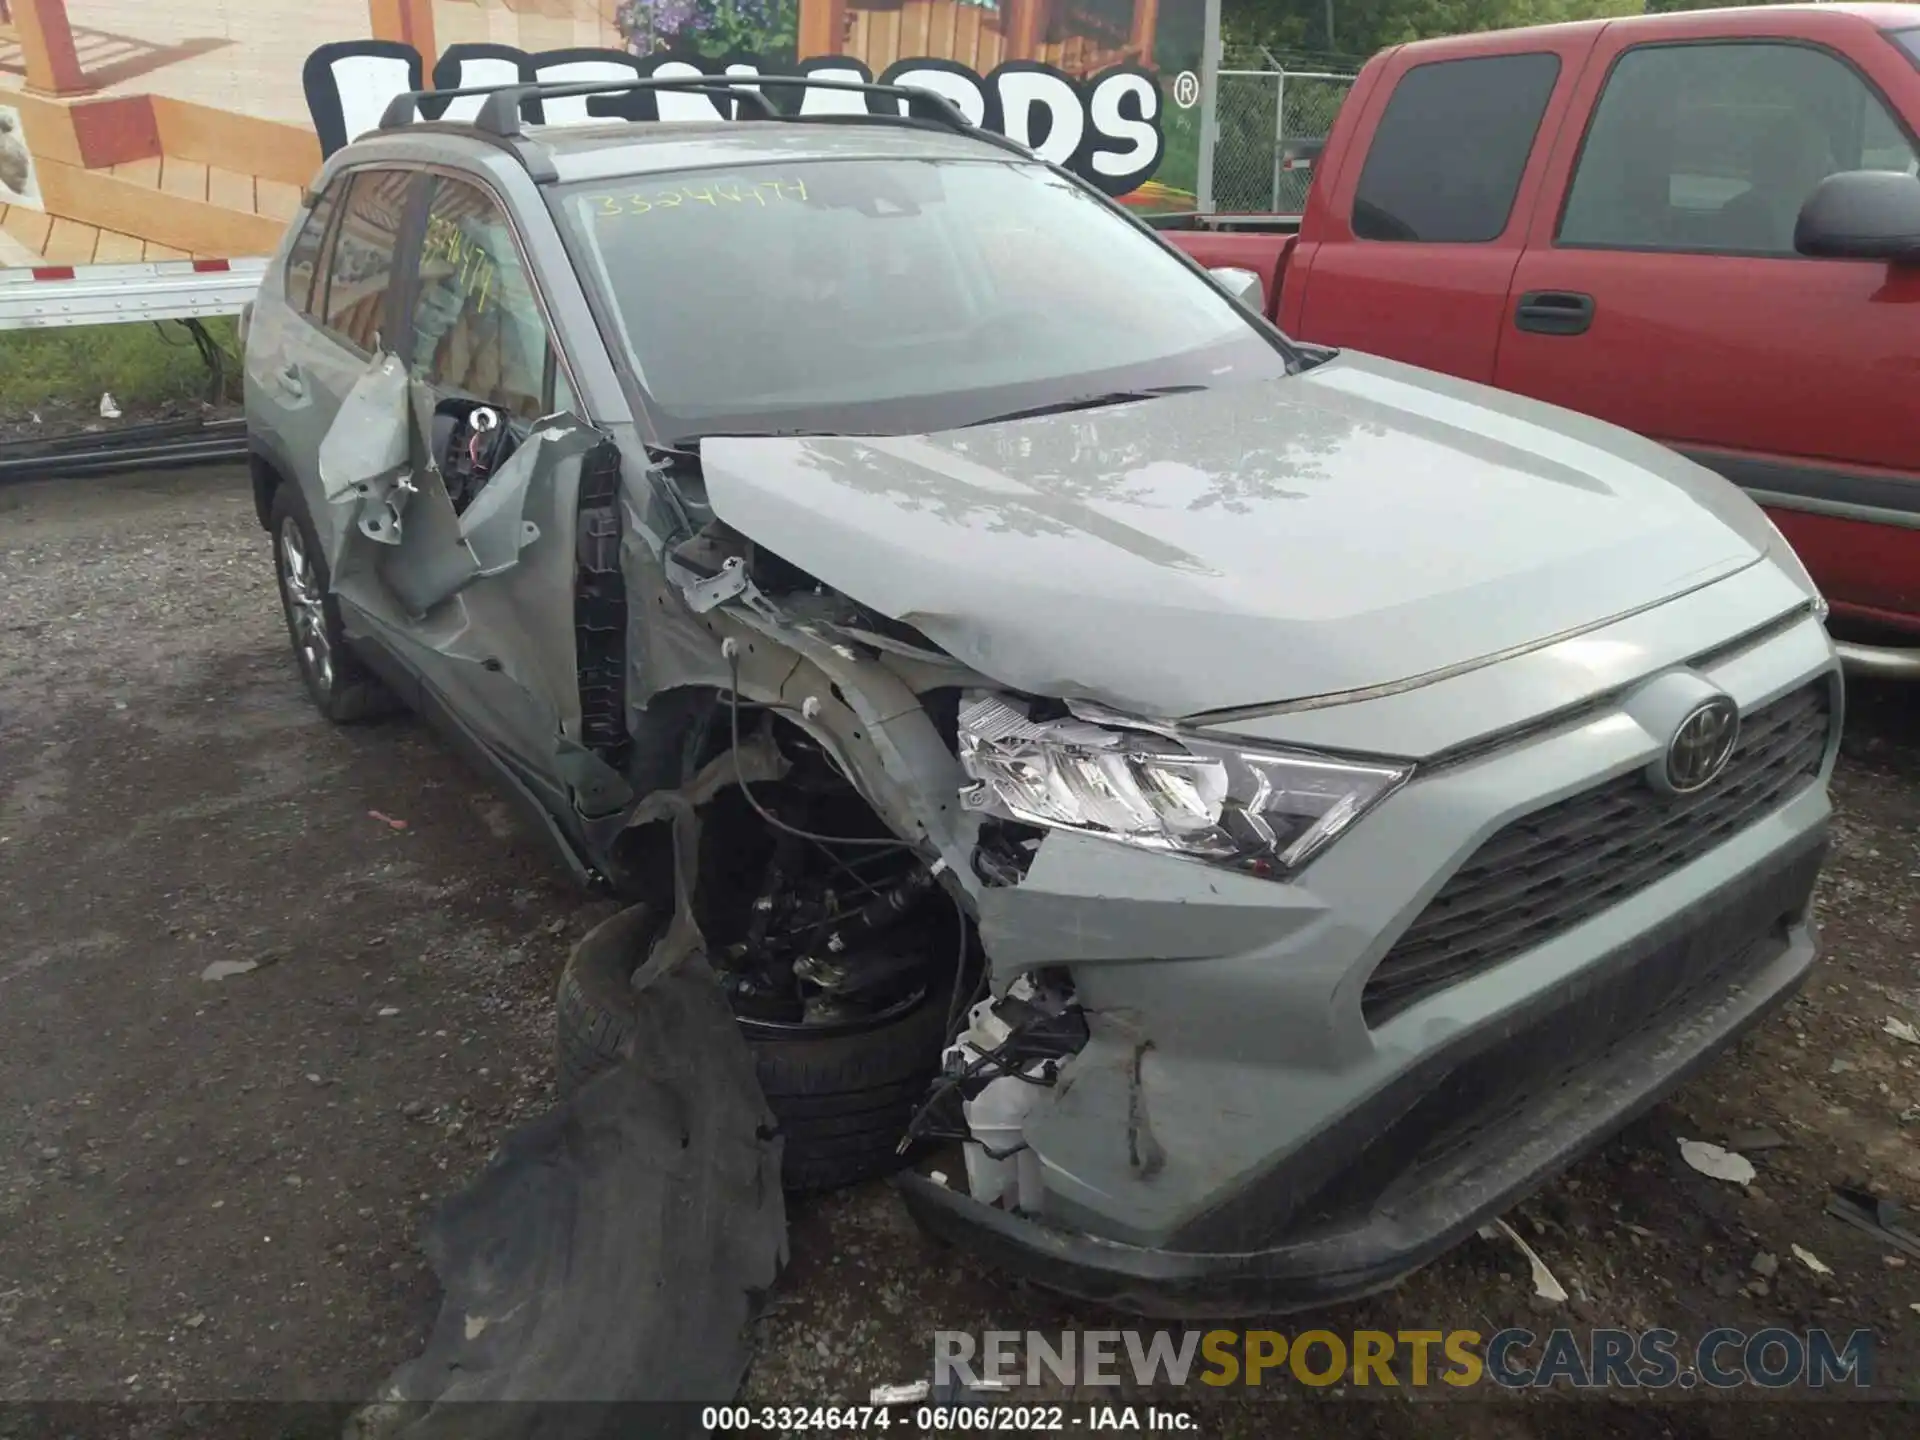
column 1266, row 812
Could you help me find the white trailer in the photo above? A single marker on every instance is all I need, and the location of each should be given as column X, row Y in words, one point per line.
column 36, row 297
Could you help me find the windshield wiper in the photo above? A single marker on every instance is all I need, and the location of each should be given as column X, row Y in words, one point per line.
column 1087, row 402
column 692, row 442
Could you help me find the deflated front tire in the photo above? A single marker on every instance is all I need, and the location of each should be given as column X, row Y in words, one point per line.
column 843, row 1099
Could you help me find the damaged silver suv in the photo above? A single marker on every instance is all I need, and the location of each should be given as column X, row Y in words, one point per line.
column 1272, row 807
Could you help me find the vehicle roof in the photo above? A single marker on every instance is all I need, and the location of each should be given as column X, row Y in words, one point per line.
column 1879, row 16
column 620, row 149
column 627, row 147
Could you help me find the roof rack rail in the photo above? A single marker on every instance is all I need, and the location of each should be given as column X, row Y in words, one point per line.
column 501, row 113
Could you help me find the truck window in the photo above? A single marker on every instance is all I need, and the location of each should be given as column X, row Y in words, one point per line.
column 1447, row 157
column 1909, row 41
column 1713, row 147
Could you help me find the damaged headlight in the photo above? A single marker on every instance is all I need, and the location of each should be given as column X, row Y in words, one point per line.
column 1263, row 811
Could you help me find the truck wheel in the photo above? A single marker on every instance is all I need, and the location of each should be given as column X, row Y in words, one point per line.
column 341, row 688
column 842, row 1100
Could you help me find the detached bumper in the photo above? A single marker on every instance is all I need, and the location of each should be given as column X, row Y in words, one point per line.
column 1458, row 1139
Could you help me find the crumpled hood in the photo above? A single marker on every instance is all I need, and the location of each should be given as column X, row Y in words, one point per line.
column 1361, row 524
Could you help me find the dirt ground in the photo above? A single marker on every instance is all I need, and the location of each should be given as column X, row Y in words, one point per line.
column 210, row 1188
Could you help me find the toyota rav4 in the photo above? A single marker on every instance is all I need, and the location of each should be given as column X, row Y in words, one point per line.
column 1271, row 806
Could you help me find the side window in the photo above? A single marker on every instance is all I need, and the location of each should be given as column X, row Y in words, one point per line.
column 478, row 331
column 360, row 268
column 1714, row 147
column 1883, row 144
column 1446, row 160
column 303, row 261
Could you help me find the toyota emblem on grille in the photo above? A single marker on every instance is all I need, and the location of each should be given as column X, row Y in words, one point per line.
column 1702, row 745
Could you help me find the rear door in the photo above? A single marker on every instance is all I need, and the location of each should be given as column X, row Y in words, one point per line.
column 1423, row 233
column 305, row 355
column 1665, row 293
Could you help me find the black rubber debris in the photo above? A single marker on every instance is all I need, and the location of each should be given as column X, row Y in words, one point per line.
column 1864, row 1210
column 616, row 1250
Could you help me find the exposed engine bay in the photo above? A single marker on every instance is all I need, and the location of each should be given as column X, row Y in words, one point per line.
column 825, row 923
column 817, row 914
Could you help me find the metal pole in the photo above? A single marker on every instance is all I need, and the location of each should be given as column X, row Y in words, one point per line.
column 1331, row 50
column 1279, row 135
column 1209, row 103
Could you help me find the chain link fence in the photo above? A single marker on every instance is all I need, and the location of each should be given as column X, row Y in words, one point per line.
column 1266, row 113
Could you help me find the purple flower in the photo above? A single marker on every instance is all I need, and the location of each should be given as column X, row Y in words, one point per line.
column 760, row 14
column 651, row 25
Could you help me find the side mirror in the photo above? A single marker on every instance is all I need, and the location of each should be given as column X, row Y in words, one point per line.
column 1243, row 285
column 1861, row 215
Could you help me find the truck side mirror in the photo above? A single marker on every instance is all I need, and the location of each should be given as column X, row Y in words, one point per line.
column 1242, row 285
column 1862, row 215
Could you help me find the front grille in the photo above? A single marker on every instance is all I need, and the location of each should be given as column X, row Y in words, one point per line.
column 1547, row 872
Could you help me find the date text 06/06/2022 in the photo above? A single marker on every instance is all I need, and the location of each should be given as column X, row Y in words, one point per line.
column 931, row 1419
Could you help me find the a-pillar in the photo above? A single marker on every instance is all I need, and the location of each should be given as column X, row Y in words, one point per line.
column 409, row 22
column 53, row 65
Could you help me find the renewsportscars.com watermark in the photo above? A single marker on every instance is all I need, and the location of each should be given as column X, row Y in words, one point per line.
column 1595, row 1359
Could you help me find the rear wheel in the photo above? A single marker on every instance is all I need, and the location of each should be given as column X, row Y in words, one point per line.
column 842, row 1098
column 341, row 688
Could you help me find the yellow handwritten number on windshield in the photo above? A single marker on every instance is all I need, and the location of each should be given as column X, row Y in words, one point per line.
column 721, row 195
column 472, row 268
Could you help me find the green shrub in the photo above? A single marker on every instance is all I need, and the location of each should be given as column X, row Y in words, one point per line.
column 140, row 364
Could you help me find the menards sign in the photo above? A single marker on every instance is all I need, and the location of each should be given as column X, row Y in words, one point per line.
column 143, row 132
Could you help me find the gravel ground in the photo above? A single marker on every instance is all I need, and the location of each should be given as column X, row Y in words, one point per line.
column 210, row 1188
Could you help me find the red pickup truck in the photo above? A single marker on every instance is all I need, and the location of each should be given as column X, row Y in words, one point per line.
column 1661, row 221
